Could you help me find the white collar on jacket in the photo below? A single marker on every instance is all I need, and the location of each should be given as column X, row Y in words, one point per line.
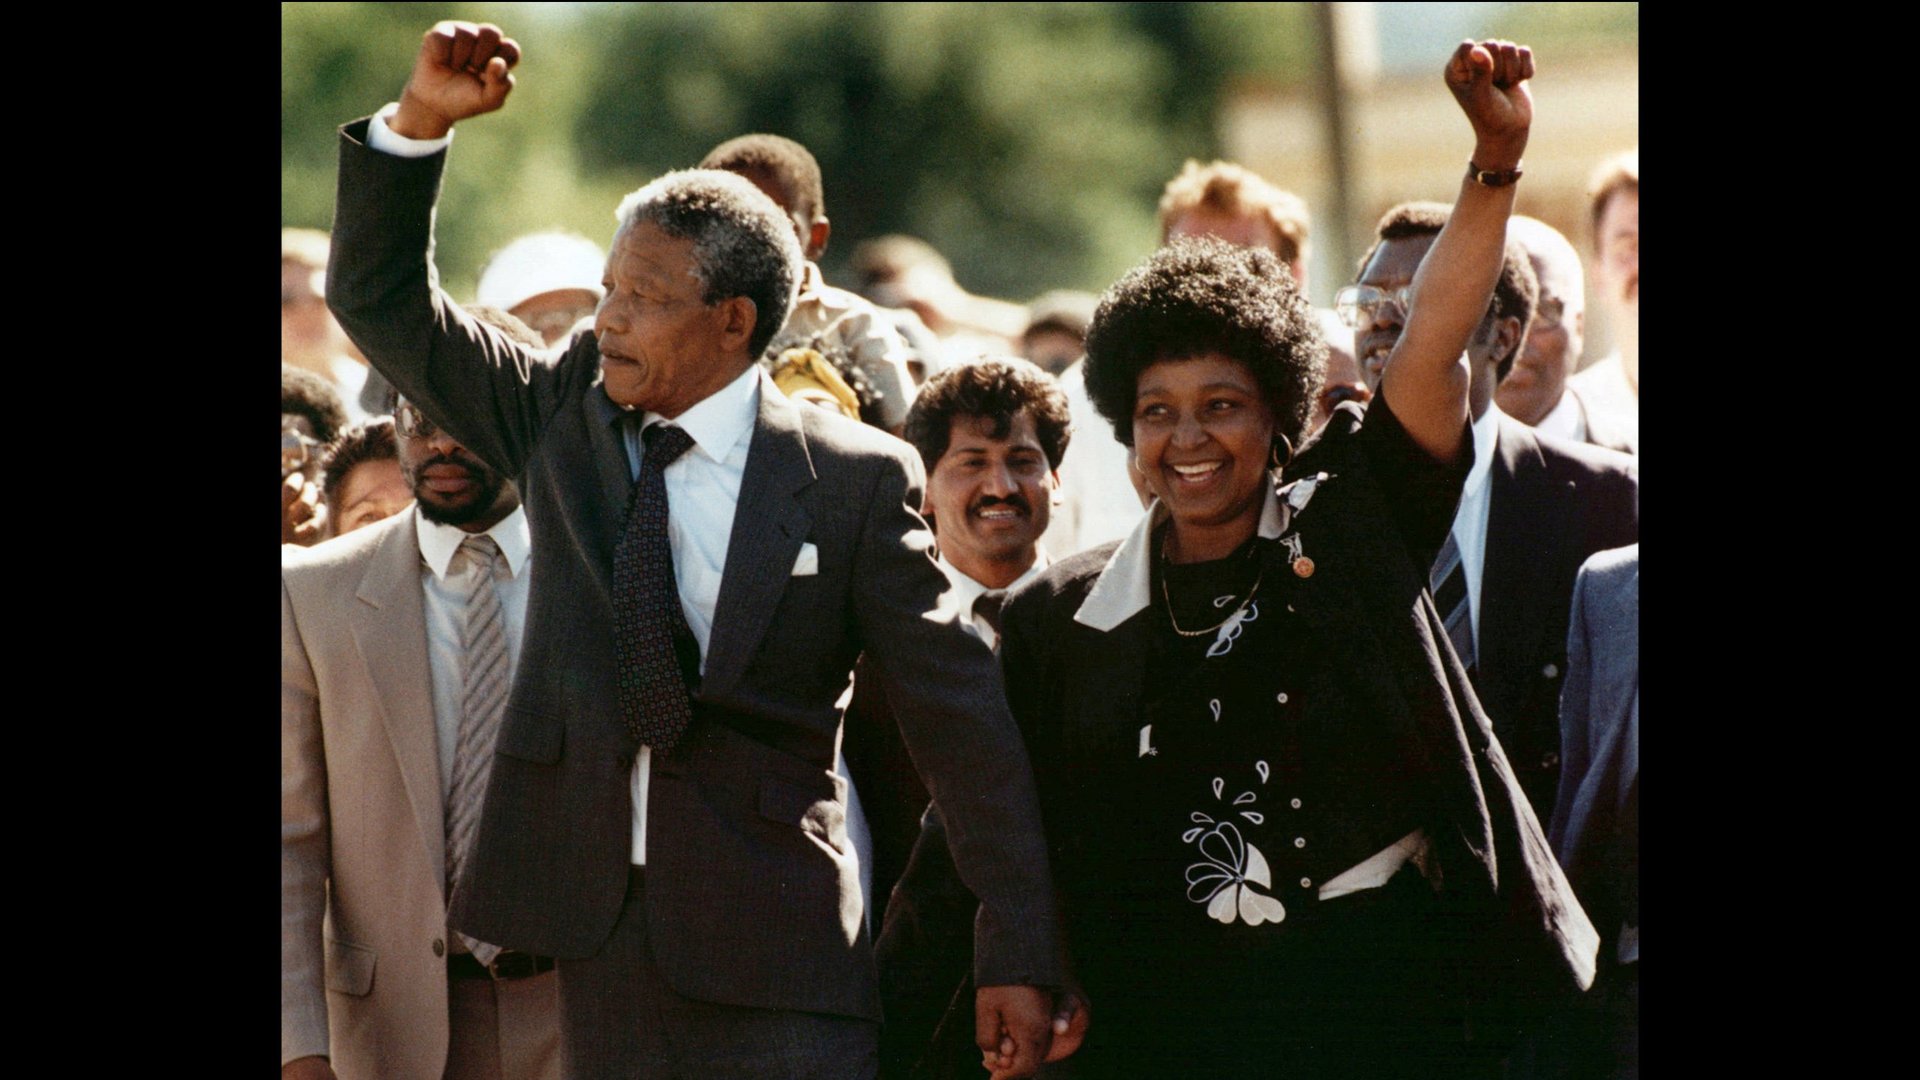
column 1124, row 586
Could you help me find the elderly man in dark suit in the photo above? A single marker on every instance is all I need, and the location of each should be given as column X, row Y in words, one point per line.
column 1532, row 510
column 663, row 816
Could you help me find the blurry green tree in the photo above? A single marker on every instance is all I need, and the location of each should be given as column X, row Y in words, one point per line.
column 1028, row 142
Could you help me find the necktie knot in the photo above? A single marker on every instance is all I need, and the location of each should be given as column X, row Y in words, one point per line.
column 665, row 443
column 987, row 606
column 477, row 559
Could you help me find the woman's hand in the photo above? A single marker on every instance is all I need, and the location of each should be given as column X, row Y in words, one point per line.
column 1489, row 80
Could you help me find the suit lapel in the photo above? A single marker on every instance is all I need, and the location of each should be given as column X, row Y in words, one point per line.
column 389, row 626
column 1524, row 526
column 769, row 525
column 612, row 468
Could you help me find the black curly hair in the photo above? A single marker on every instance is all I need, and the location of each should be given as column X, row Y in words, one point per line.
column 995, row 388
column 1201, row 296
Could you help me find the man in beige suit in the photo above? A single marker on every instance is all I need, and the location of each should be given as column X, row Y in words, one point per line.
column 389, row 647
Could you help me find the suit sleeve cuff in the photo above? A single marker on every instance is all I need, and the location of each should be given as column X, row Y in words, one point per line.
column 382, row 138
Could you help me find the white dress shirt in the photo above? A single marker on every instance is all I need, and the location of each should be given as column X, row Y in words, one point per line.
column 1565, row 420
column 703, row 489
column 446, row 613
column 966, row 590
column 1607, row 390
column 1470, row 520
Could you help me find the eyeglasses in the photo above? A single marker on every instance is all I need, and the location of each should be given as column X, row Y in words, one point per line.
column 413, row 423
column 1357, row 305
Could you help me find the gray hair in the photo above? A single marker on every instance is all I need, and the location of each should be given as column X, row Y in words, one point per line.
column 743, row 243
column 1548, row 244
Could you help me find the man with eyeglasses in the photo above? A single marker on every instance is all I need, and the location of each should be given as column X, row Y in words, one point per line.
column 398, row 643
column 1537, row 391
column 1532, row 509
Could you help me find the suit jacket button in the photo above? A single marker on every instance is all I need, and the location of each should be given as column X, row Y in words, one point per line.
column 439, row 947
column 1550, row 761
column 1550, row 671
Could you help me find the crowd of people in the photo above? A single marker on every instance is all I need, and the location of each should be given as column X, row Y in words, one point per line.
column 691, row 668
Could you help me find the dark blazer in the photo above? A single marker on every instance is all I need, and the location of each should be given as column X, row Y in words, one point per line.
column 1077, row 692
column 1554, row 503
column 752, row 892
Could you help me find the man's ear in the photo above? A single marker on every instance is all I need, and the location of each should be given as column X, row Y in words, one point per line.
column 738, row 316
column 817, row 238
column 1496, row 340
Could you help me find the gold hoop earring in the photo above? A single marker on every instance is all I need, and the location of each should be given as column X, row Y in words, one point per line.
column 1277, row 460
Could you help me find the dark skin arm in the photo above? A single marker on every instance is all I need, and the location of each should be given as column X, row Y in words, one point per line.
column 1426, row 378
column 462, row 70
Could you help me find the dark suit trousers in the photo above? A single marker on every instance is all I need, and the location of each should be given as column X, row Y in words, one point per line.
column 619, row 1018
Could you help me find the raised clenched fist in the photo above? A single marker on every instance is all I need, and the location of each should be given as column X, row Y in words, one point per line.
column 1489, row 80
column 463, row 70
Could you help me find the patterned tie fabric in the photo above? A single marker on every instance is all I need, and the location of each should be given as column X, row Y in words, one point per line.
column 486, row 674
column 1449, row 582
column 650, row 629
column 987, row 606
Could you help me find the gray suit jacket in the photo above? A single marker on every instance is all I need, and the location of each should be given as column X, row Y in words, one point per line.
column 752, row 893
column 1595, row 830
column 362, row 834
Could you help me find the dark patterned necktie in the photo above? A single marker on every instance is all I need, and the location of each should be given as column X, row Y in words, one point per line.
column 987, row 606
column 650, row 629
column 1449, row 583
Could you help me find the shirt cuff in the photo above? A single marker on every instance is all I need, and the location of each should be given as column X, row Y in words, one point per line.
column 382, row 138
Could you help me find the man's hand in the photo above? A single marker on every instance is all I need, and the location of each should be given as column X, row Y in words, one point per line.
column 303, row 517
column 307, row 1068
column 1013, row 1026
column 1071, row 1015
column 1489, row 80
column 462, row 71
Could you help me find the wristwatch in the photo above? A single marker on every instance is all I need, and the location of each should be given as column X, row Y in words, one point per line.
column 1492, row 177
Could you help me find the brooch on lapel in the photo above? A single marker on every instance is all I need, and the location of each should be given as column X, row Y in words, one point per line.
column 1296, row 496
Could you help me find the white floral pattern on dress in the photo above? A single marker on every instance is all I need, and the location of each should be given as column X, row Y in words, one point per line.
column 1225, row 881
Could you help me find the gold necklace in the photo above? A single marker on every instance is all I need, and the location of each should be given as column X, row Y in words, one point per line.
column 1168, row 597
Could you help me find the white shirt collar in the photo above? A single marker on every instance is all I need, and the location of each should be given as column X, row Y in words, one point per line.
column 1566, row 420
column 970, row 588
column 1124, row 588
column 439, row 542
column 720, row 420
column 1486, row 433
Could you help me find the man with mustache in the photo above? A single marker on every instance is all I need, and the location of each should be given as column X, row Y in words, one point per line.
column 398, row 643
column 1611, row 385
column 992, row 434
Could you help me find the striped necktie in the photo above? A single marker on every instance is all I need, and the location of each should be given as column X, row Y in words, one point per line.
column 486, row 674
column 1449, row 583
